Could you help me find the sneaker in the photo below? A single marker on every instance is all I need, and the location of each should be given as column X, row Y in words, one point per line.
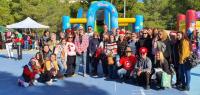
column 66, row 75
column 49, row 82
column 187, row 88
column 184, row 88
column 74, row 75
column 22, row 83
column 85, row 75
column 106, row 75
column 54, row 80
column 94, row 74
column 35, row 82
column 147, row 87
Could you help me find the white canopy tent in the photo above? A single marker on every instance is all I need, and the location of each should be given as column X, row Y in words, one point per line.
column 27, row 23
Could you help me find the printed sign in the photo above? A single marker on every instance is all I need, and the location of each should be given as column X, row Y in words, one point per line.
column 198, row 25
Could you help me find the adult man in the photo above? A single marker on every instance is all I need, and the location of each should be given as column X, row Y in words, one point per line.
column 143, row 68
column 19, row 43
column 81, row 43
column 105, row 31
column 89, row 33
column 127, row 63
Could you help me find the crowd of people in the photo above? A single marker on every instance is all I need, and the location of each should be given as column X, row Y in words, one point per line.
column 143, row 57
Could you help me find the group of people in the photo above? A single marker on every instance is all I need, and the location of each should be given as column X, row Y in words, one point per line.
column 20, row 41
column 123, row 55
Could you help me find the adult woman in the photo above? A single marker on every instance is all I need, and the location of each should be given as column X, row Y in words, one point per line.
column 9, row 43
column 163, row 37
column 71, row 55
column 132, row 42
column 52, row 69
column 53, row 42
column 60, row 52
column 121, row 44
column 184, row 53
column 45, row 38
column 111, row 52
column 40, row 60
column 161, row 66
column 103, row 56
column 93, row 46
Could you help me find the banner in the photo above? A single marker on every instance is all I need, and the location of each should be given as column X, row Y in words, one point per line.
column 198, row 25
column 198, row 15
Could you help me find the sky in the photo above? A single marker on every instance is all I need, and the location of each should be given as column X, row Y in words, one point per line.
column 140, row 0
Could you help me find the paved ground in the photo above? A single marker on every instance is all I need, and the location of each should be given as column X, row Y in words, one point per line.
column 11, row 69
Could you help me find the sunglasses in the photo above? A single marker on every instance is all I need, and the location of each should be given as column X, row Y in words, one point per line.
column 142, row 53
column 144, row 33
column 70, row 37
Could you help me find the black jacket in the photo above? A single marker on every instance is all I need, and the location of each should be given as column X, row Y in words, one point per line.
column 164, row 66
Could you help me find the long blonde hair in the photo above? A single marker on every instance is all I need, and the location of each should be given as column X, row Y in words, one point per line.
column 162, row 58
column 164, row 35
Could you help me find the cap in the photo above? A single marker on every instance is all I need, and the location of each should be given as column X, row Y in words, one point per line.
column 121, row 33
column 173, row 33
column 143, row 50
column 80, row 27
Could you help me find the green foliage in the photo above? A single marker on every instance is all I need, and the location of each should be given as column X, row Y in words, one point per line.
column 5, row 16
column 48, row 12
column 157, row 13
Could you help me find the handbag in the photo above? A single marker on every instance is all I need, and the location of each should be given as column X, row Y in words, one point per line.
column 166, row 80
column 98, row 52
column 110, row 59
column 192, row 61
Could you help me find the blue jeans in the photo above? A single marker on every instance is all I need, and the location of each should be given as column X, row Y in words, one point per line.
column 121, row 72
column 81, row 60
column 112, row 71
column 61, row 67
column 26, row 44
column 33, row 45
column 185, row 75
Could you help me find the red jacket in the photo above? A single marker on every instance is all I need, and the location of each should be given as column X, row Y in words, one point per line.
column 128, row 63
column 30, row 74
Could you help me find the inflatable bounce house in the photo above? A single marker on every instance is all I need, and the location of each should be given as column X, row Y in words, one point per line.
column 110, row 17
column 191, row 24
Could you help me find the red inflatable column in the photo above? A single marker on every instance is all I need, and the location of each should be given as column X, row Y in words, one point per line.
column 190, row 19
column 181, row 22
column 191, row 25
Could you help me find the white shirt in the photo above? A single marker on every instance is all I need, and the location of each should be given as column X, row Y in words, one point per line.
column 70, row 49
